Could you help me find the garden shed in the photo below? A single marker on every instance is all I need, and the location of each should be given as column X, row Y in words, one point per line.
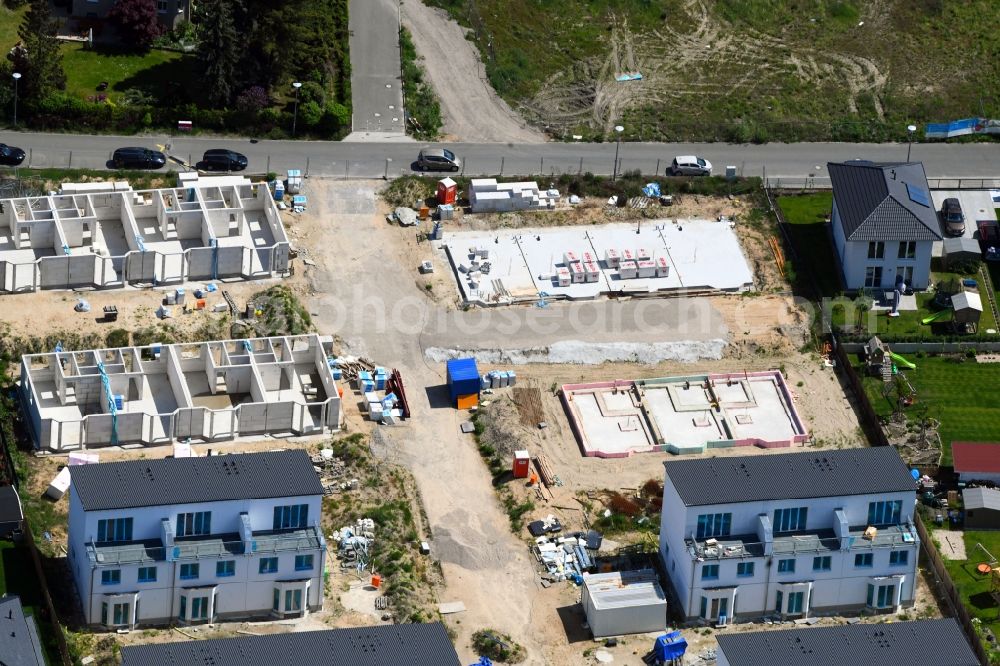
column 624, row 602
column 958, row 252
column 968, row 309
column 982, row 508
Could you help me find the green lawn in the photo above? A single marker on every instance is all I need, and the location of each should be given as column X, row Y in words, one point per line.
column 909, row 324
column 963, row 396
column 157, row 73
column 806, row 215
column 10, row 19
column 973, row 587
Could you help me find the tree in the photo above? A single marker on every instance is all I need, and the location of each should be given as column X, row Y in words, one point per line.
column 219, row 48
column 36, row 56
column 136, row 22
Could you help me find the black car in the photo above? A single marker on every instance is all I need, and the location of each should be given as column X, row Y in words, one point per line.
column 138, row 158
column 10, row 155
column 220, row 159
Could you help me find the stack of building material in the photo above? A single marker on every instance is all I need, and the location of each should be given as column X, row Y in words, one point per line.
column 643, row 254
column 563, row 277
column 627, row 270
column 365, row 381
column 570, row 258
column 577, row 275
column 612, row 258
column 662, row 267
column 463, row 382
column 488, row 196
column 646, row 268
column 59, row 485
column 83, row 458
column 590, row 272
column 381, row 375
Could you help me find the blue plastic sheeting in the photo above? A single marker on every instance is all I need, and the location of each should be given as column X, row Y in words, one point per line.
column 463, row 377
column 670, row 646
column 483, row 661
column 629, row 77
column 652, row 190
column 962, row 127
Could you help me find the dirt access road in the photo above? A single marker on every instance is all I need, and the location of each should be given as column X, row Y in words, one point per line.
column 471, row 109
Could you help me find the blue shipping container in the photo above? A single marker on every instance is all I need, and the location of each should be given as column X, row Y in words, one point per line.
column 463, row 377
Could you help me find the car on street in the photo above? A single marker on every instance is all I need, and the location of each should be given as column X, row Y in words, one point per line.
column 689, row 165
column 10, row 155
column 438, row 159
column 954, row 218
column 138, row 158
column 221, row 159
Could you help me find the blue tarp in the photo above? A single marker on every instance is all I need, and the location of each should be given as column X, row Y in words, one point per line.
column 629, row 77
column 670, row 646
column 652, row 190
column 463, row 377
column 962, row 127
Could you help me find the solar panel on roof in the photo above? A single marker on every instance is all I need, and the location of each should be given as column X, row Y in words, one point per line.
column 918, row 195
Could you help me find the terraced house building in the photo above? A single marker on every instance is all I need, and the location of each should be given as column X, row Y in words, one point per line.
column 790, row 535
column 195, row 540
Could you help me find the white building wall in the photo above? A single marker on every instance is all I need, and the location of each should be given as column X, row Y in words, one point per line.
column 843, row 586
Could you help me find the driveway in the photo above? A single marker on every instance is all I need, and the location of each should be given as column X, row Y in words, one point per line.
column 376, row 91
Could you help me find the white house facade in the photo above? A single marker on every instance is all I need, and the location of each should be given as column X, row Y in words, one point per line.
column 195, row 540
column 790, row 535
column 883, row 224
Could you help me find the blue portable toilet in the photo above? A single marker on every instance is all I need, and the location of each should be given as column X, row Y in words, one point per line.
column 463, row 378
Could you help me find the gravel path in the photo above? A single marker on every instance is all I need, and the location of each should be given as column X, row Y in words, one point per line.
column 471, row 109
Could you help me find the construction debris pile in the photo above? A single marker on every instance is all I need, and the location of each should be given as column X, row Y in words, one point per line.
column 330, row 470
column 566, row 557
column 354, row 544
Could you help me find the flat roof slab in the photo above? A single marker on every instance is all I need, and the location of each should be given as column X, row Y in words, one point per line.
column 524, row 263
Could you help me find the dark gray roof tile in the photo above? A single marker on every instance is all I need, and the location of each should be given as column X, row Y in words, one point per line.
column 777, row 476
column 136, row 483
column 937, row 642
column 384, row 645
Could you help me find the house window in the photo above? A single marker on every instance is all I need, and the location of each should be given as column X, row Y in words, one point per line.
column 899, row 558
column 907, row 250
column 199, row 608
column 876, row 250
column 822, row 563
column 881, row 596
column 303, row 562
column 268, row 565
column 873, row 276
column 885, row 513
column 778, row 598
column 120, row 614
column 189, row 571
column 714, row 525
column 293, row 600
column 277, row 600
column 183, row 610
column 795, row 600
column 114, row 529
column 744, row 569
column 710, row 572
column 906, row 273
column 194, row 524
column 786, row 566
column 225, row 568
column 790, row 520
column 161, row 6
column 864, row 560
column 292, row 516
column 111, row 577
column 147, row 574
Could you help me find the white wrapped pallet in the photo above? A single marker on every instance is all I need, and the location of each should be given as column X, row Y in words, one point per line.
column 646, row 269
column 662, row 267
column 627, row 270
column 612, row 258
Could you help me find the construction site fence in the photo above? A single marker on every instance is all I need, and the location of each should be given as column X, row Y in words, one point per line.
column 946, row 588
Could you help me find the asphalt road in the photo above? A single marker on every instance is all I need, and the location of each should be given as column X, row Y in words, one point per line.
column 376, row 91
column 369, row 160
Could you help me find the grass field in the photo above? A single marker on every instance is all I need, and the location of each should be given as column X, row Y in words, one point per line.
column 806, row 215
column 739, row 70
column 962, row 395
column 974, row 588
column 157, row 73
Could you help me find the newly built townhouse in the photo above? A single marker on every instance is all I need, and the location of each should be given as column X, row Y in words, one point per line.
column 194, row 540
column 790, row 535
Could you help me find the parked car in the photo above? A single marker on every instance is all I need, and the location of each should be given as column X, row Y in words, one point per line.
column 438, row 159
column 138, row 158
column 220, row 159
column 954, row 219
column 10, row 155
column 689, row 165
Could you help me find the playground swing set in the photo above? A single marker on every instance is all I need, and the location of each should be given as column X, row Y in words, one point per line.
column 881, row 361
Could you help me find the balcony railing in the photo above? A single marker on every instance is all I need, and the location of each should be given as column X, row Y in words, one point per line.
column 890, row 537
column 204, row 548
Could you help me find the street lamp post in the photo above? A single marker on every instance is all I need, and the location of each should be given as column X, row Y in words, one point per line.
column 17, row 77
column 618, row 130
column 388, row 161
column 295, row 115
column 910, row 129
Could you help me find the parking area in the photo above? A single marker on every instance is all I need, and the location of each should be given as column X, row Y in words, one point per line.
column 976, row 205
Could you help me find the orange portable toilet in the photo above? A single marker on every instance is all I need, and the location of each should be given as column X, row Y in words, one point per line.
column 376, row 581
column 522, row 464
column 447, row 191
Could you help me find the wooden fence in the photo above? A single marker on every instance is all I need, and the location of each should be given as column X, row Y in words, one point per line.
column 869, row 420
column 946, row 588
column 48, row 612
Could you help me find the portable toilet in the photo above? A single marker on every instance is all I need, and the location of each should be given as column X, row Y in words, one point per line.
column 464, row 382
column 447, row 191
column 522, row 464
column 279, row 190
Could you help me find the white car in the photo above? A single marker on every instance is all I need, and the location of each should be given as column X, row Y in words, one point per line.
column 689, row 165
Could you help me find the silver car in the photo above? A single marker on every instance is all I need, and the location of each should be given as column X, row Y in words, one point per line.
column 689, row 165
column 438, row 159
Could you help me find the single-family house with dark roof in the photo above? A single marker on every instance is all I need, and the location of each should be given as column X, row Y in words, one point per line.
column 382, row 645
column 789, row 535
column 883, row 223
column 938, row 642
column 196, row 540
column 19, row 644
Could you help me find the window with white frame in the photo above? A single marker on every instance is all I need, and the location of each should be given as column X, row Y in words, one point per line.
column 114, row 529
column 885, row 512
column 792, row 519
column 713, row 525
column 291, row 516
column 881, row 596
column 194, row 524
column 873, row 276
column 876, row 250
column 907, row 250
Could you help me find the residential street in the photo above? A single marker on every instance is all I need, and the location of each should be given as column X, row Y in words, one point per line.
column 368, row 160
column 376, row 91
